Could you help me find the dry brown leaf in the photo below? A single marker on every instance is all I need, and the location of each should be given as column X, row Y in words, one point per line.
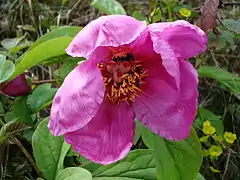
column 208, row 16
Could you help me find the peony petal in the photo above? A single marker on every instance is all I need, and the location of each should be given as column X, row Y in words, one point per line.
column 169, row 58
column 166, row 111
column 108, row 136
column 112, row 30
column 77, row 100
column 142, row 49
column 185, row 39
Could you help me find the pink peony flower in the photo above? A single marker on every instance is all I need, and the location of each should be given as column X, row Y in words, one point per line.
column 132, row 70
column 17, row 87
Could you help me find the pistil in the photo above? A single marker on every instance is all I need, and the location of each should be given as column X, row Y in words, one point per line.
column 123, row 78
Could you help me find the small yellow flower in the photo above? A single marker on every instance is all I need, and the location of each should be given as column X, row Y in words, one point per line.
column 208, row 128
column 185, row 12
column 214, row 170
column 218, row 138
column 230, row 137
column 204, row 139
column 215, row 151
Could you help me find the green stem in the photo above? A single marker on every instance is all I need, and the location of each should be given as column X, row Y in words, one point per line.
column 170, row 17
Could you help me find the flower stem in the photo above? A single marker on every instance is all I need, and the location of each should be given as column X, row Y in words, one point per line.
column 170, row 18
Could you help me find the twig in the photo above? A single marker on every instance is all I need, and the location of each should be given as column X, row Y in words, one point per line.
column 230, row 3
column 44, row 81
column 29, row 157
column 229, row 56
column 72, row 9
column 32, row 15
column 227, row 163
column 214, row 59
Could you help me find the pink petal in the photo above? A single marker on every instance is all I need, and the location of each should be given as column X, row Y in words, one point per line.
column 77, row 100
column 112, row 30
column 169, row 58
column 186, row 39
column 108, row 136
column 166, row 111
column 142, row 49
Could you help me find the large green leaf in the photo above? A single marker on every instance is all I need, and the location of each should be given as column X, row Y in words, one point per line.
column 41, row 97
column 46, row 50
column 175, row 160
column 200, row 177
column 6, row 68
column 20, row 111
column 108, row 6
column 74, row 173
column 229, row 80
column 138, row 165
column 69, row 31
column 206, row 115
column 49, row 151
column 232, row 25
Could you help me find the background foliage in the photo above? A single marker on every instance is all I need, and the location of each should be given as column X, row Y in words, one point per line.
column 33, row 37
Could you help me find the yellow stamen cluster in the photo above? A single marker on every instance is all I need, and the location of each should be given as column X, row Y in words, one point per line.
column 126, row 86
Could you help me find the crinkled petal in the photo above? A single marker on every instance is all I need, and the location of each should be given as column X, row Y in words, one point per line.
column 112, row 30
column 108, row 136
column 142, row 49
column 166, row 111
column 185, row 39
column 77, row 100
column 169, row 58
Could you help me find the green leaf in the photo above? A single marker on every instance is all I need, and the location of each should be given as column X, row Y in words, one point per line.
column 2, row 110
column 225, row 39
column 66, row 68
column 138, row 132
column 11, row 43
column 229, row 80
column 138, row 15
column 108, row 6
column 232, row 25
column 49, row 151
column 46, row 50
column 41, row 97
column 22, row 45
column 175, row 160
column 74, row 173
column 21, row 111
column 138, row 165
column 64, row 2
column 200, row 177
column 206, row 115
column 10, row 116
column 69, row 31
column 6, row 68
column 87, row 164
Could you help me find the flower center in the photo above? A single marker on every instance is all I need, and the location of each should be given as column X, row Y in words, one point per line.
column 123, row 77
